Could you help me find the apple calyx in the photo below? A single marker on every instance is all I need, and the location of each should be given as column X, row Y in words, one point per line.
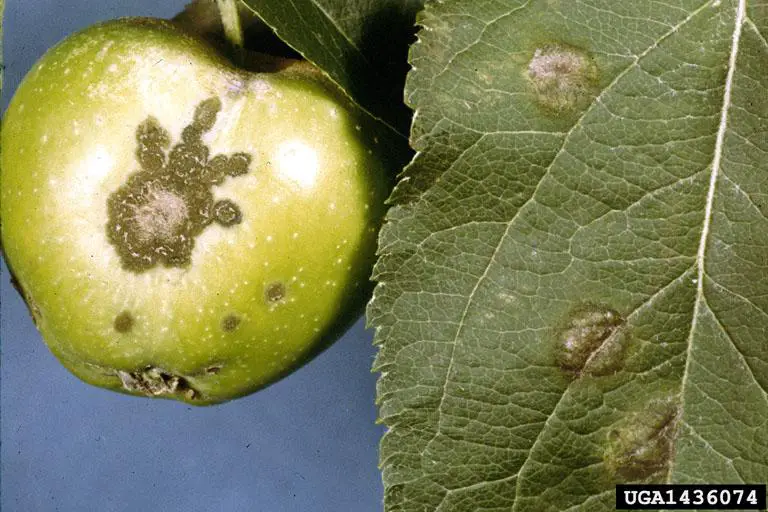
column 152, row 381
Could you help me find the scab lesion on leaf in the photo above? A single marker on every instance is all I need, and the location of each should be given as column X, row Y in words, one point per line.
column 592, row 341
column 562, row 77
column 641, row 446
column 156, row 215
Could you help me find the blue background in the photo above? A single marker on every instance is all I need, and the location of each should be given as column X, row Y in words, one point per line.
column 308, row 443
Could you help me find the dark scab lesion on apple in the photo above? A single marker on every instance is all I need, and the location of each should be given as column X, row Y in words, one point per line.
column 275, row 292
column 156, row 215
column 123, row 322
column 230, row 322
column 213, row 369
column 152, row 140
column 206, row 112
column 227, row 213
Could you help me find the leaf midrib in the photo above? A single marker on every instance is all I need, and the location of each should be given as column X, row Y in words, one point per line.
column 741, row 11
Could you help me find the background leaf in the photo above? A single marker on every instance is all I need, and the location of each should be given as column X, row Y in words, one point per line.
column 573, row 286
column 362, row 45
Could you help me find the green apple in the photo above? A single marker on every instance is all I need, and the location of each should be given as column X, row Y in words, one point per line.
column 180, row 227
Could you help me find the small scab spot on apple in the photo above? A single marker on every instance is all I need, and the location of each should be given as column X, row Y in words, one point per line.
column 156, row 215
column 562, row 77
column 227, row 213
column 230, row 322
column 275, row 292
column 123, row 322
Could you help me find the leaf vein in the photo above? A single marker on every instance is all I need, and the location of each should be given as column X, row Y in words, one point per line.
column 738, row 295
column 341, row 32
column 757, row 31
column 741, row 354
column 477, row 40
column 706, row 443
column 746, row 196
column 631, row 315
column 700, row 258
column 647, row 195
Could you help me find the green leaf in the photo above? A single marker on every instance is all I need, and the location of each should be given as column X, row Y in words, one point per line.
column 361, row 44
column 573, row 284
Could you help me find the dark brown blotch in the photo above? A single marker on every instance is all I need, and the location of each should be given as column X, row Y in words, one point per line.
column 227, row 213
column 205, row 113
column 230, row 322
column 152, row 141
column 275, row 292
column 123, row 322
column 238, row 164
column 156, row 215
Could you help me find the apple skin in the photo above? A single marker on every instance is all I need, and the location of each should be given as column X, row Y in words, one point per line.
column 181, row 228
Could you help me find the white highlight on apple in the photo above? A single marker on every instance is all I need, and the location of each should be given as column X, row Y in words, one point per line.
column 90, row 175
column 85, row 195
column 297, row 162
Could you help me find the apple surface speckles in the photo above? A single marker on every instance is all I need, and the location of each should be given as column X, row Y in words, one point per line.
column 138, row 212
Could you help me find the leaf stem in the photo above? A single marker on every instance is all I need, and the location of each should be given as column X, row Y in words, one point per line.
column 230, row 18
